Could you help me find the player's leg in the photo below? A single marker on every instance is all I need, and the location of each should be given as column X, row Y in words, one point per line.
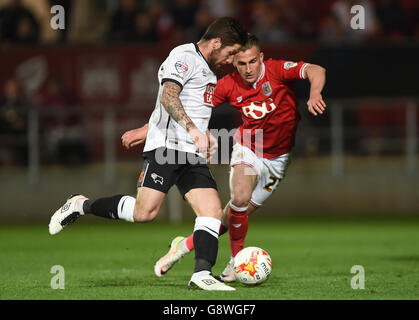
column 268, row 180
column 186, row 244
column 198, row 187
column 181, row 246
column 143, row 208
column 243, row 179
column 207, row 206
column 248, row 166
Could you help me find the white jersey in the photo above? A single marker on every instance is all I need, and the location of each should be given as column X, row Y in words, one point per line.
column 186, row 66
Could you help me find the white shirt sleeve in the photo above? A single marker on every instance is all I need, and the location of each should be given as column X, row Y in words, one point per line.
column 178, row 68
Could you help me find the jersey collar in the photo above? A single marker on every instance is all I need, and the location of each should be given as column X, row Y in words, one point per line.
column 262, row 74
column 200, row 53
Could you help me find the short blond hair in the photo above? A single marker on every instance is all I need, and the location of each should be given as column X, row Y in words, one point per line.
column 252, row 41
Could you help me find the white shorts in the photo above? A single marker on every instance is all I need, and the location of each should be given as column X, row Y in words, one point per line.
column 269, row 171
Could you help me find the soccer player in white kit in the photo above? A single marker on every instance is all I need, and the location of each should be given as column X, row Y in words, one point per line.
column 176, row 149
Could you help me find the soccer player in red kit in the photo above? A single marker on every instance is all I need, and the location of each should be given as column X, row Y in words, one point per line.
column 263, row 93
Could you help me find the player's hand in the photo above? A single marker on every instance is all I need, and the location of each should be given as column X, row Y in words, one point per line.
column 134, row 137
column 316, row 104
column 201, row 140
column 213, row 146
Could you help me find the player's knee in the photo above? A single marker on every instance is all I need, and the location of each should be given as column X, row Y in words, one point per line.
column 213, row 212
column 143, row 215
column 218, row 213
column 240, row 199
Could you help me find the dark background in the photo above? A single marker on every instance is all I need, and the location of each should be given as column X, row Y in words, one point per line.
column 68, row 95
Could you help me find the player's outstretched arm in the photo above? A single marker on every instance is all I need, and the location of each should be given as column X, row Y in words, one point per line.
column 171, row 102
column 213, row 146
column 317, row 77
column 134, row 137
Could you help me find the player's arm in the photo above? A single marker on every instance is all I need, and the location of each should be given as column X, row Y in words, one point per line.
column 220, row 96
column 213, row 146
column 134, row 137
column 171, row 102
column 317, row 77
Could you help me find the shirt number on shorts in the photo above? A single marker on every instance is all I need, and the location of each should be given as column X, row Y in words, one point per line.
column 268, row 187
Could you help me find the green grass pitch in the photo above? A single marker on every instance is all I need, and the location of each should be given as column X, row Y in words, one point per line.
column 114, row 260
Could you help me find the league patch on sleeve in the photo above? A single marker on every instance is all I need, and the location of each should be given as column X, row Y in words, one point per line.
column 181, row 66
column 289, row 64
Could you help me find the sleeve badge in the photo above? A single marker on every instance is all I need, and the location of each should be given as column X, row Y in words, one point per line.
column 181, row 66
column 289, row 64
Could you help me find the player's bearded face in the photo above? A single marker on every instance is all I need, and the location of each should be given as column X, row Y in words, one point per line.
column 249, row 64
column 221, row 56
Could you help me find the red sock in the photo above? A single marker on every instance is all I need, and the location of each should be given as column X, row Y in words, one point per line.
column 237, row 225
column 189, row 240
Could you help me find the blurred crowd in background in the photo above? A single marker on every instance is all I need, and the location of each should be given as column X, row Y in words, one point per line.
column 172, row 22
column 178, row 21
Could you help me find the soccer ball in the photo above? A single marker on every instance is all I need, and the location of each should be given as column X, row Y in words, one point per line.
column 252, row 266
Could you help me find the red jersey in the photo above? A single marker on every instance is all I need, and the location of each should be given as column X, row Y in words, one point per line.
column 270, row 104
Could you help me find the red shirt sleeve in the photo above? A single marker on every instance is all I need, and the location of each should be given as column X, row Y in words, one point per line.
column 288, row 70
column 221, row 91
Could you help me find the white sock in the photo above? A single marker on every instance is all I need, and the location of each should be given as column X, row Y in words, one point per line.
column 206, row 242
column 208, row 224
column 202, row 273
column 126, row 208
column 79, row 206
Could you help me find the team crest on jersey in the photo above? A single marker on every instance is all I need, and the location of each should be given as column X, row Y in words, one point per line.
column 289, row 64
column 239, row 99
column 181, row 66
column 266, row 89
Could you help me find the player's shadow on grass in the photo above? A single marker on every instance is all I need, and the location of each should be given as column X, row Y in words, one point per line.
column 130, row 282
column 113, row 283
column 404, row 258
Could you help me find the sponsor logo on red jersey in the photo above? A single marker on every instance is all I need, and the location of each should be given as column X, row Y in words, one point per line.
column 258, row 110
